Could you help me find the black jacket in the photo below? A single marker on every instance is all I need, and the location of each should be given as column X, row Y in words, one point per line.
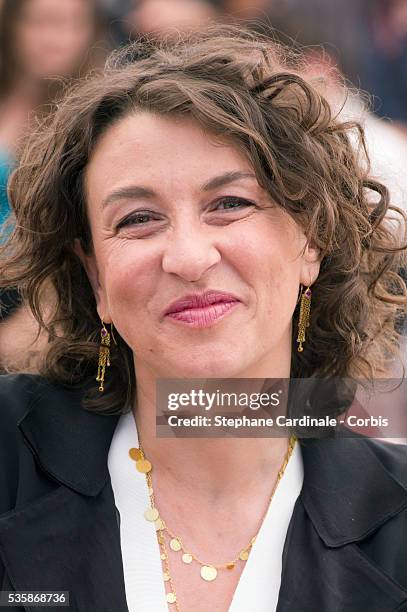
column 345, row 550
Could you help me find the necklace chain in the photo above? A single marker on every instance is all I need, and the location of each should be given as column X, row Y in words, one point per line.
column 209, row 571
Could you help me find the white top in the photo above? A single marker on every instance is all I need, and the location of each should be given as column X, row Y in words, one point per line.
column 145, row 591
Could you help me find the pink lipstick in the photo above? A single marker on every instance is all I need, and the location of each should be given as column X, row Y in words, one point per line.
column 202, row 310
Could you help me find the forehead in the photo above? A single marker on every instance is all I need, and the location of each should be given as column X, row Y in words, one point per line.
column 170, row 151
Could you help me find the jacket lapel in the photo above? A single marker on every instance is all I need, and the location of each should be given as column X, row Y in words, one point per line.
column 69, row 538
column 347, row 494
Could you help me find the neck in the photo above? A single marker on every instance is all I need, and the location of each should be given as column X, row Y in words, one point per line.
column 217, row 467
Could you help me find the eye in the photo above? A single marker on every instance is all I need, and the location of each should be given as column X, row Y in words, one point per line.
column 139, row 218
column 233, row 203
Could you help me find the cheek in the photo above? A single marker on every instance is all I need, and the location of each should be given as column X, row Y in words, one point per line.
column 129, row 285
column 270, row 252
column 271, row 260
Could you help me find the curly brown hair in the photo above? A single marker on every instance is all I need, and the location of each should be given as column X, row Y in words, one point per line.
column 246, row 87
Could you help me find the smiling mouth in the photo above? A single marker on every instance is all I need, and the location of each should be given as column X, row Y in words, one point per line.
column 204, row 316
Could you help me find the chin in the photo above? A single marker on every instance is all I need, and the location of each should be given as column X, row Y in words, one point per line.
column 210, row 367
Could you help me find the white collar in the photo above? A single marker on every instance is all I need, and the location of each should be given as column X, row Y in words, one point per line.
column 140, row 550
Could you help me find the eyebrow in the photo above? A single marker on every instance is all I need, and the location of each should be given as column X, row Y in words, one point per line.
column 139, row 191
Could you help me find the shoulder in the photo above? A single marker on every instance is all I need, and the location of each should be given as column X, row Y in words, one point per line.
column 375, row 455
column 354, row 485
column 392, row 456
column 34, row 413
column 17, row 393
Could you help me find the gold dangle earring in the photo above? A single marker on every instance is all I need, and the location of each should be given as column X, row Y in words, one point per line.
column 303, row 321
column 104, row 356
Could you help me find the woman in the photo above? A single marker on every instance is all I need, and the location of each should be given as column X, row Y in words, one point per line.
column 201, row 215
column 42, row 43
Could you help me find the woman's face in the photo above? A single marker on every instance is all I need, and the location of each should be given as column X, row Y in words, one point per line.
column 53, row 36
column 174, row 211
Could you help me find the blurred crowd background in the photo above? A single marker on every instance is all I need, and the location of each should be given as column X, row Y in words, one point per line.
column 44, row 42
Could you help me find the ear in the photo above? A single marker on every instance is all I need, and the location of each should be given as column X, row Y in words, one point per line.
column 91, row 269
column 311, row 263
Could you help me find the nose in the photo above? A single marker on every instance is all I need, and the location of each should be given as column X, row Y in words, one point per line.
column 190, row 253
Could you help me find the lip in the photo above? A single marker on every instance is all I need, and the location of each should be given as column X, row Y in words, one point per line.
column 200, row 300
column 202, row 310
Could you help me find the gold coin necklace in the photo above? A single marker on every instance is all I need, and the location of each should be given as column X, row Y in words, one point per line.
column 209, row 571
